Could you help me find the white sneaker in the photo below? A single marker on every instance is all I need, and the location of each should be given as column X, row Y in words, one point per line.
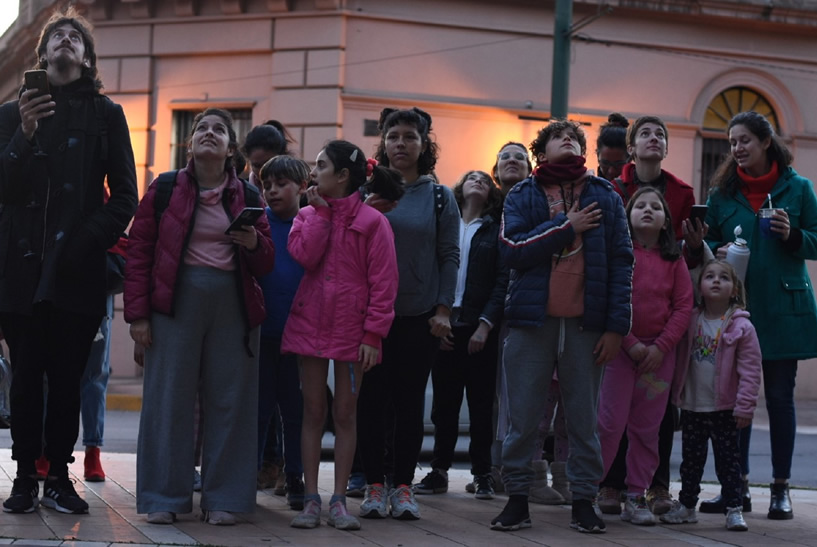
column 637, row 512
column 374, row 504
column 403, row 504
column 680, row 514
column 734, row 520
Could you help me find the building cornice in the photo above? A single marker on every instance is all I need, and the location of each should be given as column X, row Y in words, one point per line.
column 785, row 12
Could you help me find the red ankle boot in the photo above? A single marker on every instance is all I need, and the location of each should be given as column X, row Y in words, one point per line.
column 42, row 466
column 93, row 467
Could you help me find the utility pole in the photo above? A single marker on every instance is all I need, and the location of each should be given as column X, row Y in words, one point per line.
column 560, row 81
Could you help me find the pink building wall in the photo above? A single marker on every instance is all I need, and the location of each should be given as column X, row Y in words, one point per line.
column 322, row 67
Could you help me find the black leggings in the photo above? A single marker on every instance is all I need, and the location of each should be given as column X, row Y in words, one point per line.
column 398, row 382
column 697, row 429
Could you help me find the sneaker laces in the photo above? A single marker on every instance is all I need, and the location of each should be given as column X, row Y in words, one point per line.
column 403, row 494
column 375, row 492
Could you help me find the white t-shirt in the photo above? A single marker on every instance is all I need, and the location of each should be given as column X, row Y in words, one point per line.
column 699, row 389
column 467, row 232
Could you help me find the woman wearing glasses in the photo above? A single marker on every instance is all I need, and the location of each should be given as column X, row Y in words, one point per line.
column 611, row 147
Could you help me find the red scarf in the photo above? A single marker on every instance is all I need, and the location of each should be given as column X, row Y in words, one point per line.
column 557, row 173
column 756, row 189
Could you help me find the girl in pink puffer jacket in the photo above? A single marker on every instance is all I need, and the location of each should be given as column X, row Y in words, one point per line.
column 343, row 309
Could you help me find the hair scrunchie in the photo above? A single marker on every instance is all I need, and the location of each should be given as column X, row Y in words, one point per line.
column 371, row 163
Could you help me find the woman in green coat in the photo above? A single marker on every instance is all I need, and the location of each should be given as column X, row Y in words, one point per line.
column 778, row 287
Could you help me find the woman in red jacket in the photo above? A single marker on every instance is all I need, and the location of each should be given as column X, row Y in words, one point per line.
column 193, row 302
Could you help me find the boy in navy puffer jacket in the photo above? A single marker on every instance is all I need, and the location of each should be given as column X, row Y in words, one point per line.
column 564, row 236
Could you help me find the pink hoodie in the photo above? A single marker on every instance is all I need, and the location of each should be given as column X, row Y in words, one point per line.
column 737, row 361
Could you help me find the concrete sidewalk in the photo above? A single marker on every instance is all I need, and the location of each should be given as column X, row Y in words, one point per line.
column 455, row 518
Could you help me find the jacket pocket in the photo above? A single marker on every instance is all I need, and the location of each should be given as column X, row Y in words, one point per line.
column 797, row 294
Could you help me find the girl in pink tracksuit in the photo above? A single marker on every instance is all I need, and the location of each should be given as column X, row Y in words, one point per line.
column 342, row 310
column 716, row 385
column 636, row 384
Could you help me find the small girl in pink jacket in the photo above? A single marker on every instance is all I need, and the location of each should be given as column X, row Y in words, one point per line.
column 716, row 385
column 342, row 310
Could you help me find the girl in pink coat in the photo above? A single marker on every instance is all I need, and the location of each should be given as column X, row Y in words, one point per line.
column 343, row 309
column 716, row 385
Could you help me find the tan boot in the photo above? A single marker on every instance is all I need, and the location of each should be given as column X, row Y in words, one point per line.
column 560, row 482
column 540, row 492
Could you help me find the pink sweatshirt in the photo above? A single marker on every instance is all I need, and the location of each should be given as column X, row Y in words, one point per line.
column 662, row 300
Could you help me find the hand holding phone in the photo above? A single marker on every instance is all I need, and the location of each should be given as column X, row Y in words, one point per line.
column 37, row 79
column 33, row 104
column 246, row 217
column 699, row 212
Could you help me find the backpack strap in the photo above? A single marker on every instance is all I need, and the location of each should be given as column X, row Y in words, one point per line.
column 252, row 196
column 102, row 125
column 165, row 183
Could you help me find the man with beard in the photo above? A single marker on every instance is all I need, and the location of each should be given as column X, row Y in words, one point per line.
column 57, row 146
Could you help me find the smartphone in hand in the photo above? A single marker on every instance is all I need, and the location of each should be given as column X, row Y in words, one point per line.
column 37, row 79
column 246, row 217
column 699, row 212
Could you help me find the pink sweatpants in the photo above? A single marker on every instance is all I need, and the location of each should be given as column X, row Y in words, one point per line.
column 637, row 403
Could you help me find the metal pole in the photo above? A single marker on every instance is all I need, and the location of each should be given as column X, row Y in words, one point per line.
column 561, row 59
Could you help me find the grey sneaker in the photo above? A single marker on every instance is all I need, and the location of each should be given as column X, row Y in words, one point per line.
column 374, row 504
column 310, row 517
column 403, row 504
column 637, row 512
column 340, row 518
column 734, row 520
column 680, row 514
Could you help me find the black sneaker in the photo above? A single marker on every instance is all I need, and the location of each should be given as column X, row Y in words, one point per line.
column 24, row 496
column 514, row 516
column 585, row 518
column 484, row 486
column 295, row 492
column 59, row 494
column 436, row 482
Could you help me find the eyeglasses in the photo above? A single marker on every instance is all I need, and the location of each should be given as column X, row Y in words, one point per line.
column 518, row 156
column 608, row 163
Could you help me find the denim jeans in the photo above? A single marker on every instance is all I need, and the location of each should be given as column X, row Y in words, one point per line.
column 94, row 383
column 779, row 379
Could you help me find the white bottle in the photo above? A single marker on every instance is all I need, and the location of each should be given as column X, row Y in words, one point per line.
column 738, row 255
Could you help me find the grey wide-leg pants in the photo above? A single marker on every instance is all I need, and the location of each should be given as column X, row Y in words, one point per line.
column 202, row 346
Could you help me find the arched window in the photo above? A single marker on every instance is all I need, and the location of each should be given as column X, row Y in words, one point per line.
column 721, row 109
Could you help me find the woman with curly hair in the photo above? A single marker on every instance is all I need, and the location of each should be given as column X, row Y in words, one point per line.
column 426, row 235
column 469, row 353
